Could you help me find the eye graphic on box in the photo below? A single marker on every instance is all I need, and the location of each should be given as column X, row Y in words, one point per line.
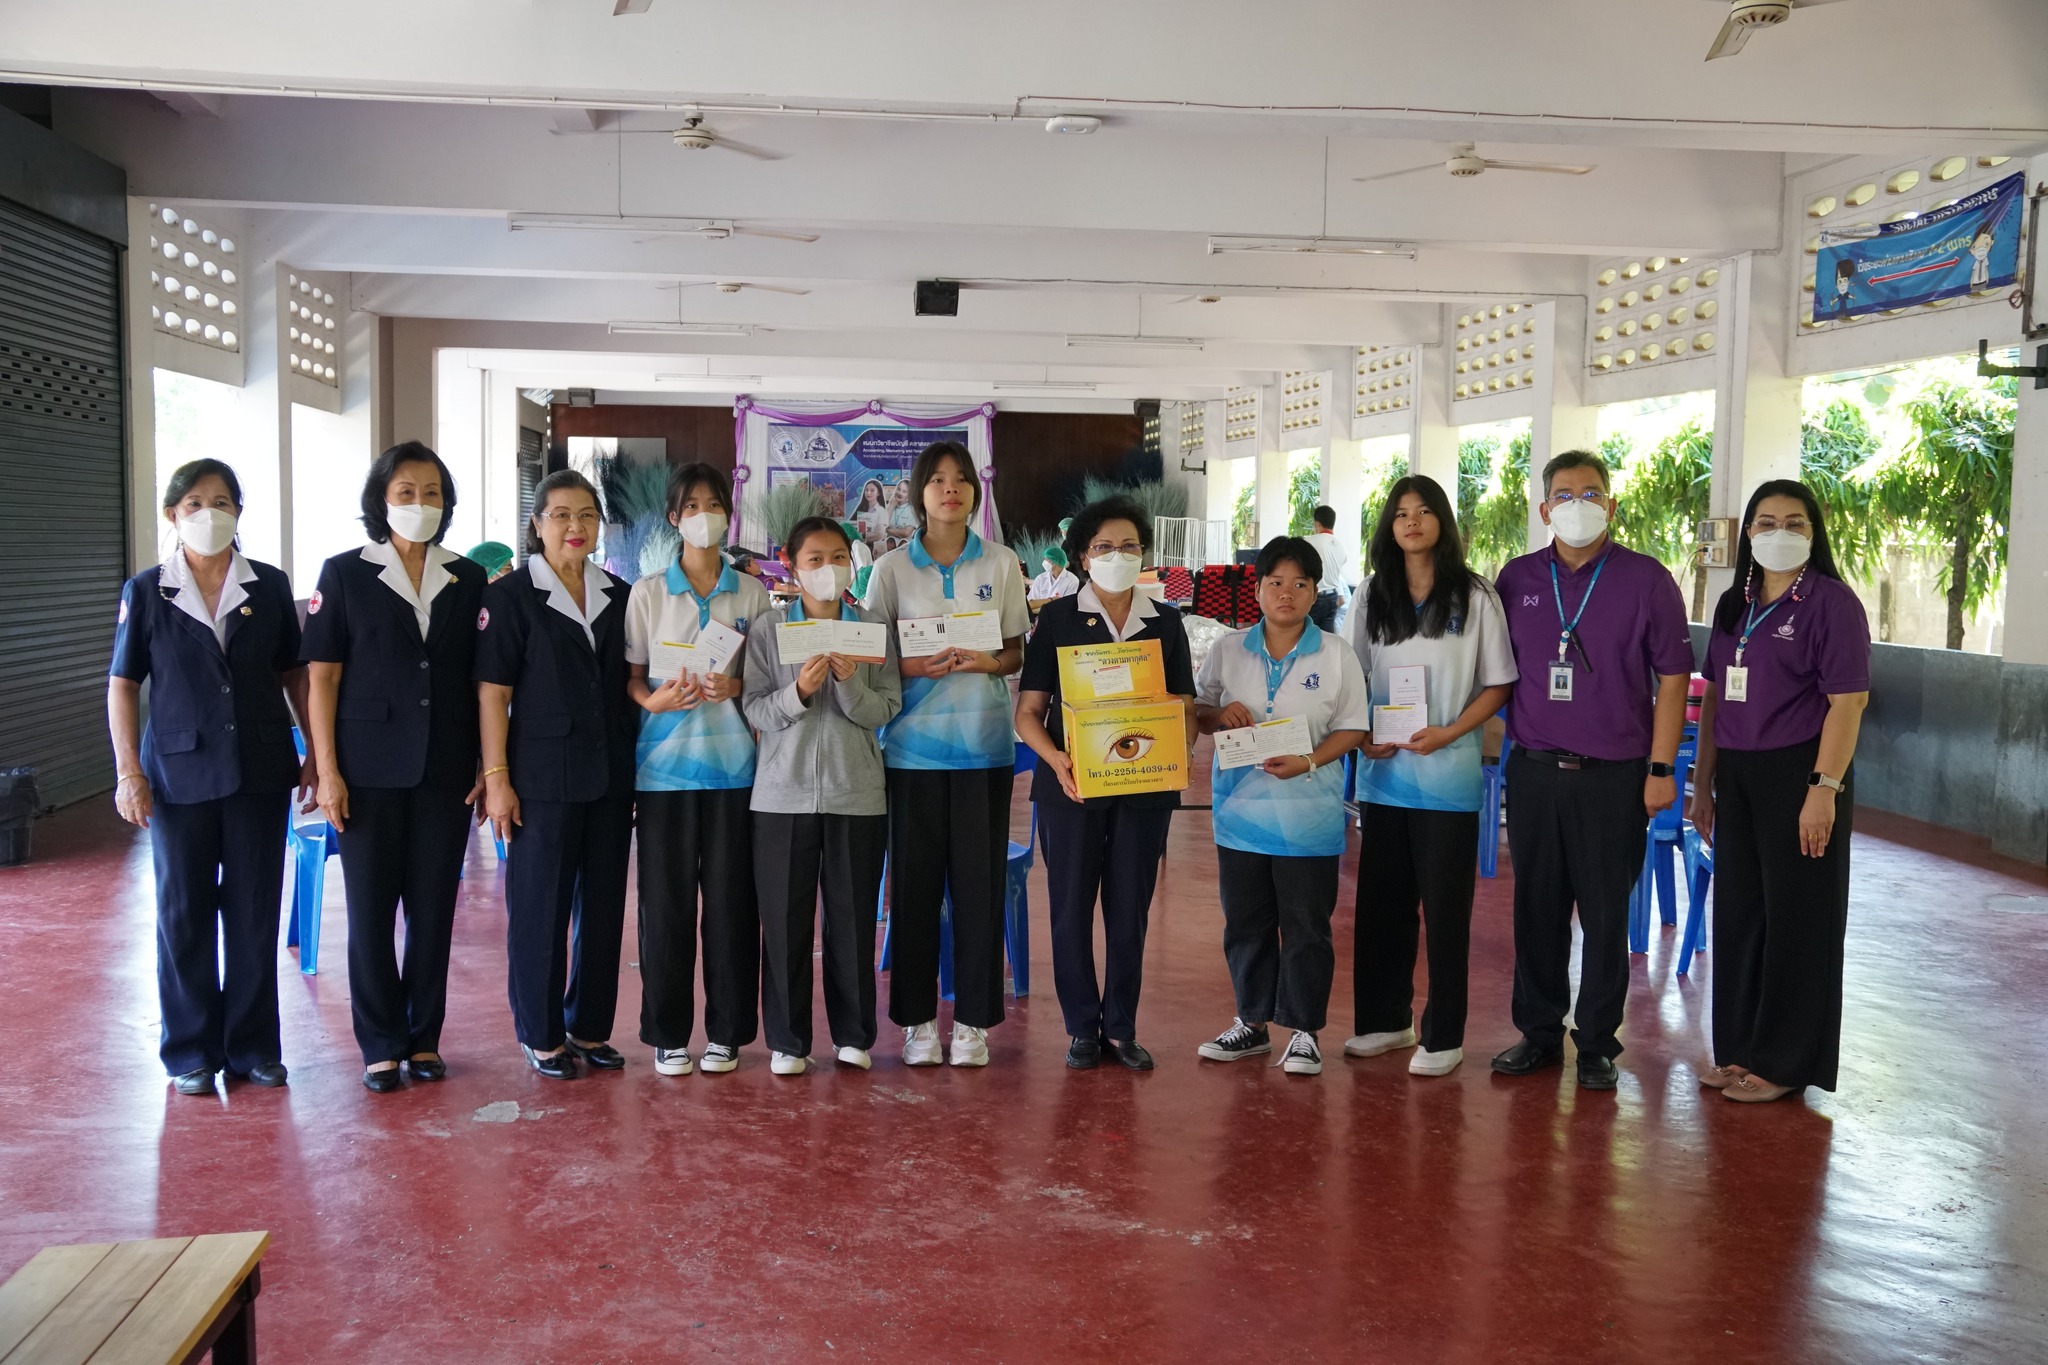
column 1129, row 746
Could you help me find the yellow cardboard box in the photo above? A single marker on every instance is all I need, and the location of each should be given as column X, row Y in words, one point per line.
column 1122, row 747
column 1125, row 733
column 1135, row 669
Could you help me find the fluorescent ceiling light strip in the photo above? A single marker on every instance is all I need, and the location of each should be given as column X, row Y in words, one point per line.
column 715, row 379
column 1042, row 386
column 530, row 222
column 688, row 329
column 1311, row 246
column 1087, row 339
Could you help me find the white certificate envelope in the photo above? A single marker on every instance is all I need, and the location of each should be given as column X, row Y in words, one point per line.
column 1110, row 680
column 668, row 660
column 1408, row 685
column 799, row 641
column 975, row 630
column 1396, row 724
column 718, row 644
column 864, row 640
column 1253, row 744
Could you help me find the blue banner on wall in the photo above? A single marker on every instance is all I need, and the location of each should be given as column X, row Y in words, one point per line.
column 1971, row 245
column 859, row 472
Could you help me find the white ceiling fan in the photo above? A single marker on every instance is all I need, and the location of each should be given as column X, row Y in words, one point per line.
column 696, row 136
column 735, row 286
column 1746, row 17
column 1465, row 162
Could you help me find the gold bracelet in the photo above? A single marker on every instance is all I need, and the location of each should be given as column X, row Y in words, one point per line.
column 124, row 777
column 493, row 772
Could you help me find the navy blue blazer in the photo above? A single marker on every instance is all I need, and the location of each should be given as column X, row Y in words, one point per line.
column 406, row 713
column 574, row 727
column 218, row 723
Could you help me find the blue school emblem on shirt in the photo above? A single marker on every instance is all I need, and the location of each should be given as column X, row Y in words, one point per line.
column 986, row 592
column 1311, row 682
column 739, row 624
column 1455, row 626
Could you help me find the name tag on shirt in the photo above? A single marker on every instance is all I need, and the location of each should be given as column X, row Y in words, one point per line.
column 1254, row 744
column 798, row 642
column 1737, row 686
column 1560, row 682
column 923, row 636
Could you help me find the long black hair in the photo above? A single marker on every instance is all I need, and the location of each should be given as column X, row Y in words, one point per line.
column 383, row 469
column 1390, row 612
column 1820, row 559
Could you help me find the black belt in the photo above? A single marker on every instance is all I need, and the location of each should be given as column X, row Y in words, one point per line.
column 1558, row 758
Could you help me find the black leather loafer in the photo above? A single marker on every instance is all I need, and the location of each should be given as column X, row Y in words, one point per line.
column 1526, row 1057
column 1129, row 1055
column 428, row 1068
column 268, row 1074
column 383, row 1082
column 1597, row 1073
column 1084, row 1054
column 194, row 1083
column 603, row 1056
column 560, row 1067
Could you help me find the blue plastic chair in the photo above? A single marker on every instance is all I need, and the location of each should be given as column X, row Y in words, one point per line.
column 1493, row 791
column 1658, row 877
column 1016, row 907
column 1699, row 875
column 312, row 844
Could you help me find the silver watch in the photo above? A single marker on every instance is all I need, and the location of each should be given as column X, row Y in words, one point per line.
column 1819, row 779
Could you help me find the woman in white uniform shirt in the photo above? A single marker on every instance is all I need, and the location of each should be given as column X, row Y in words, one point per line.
column 1420, row 799
column 1280, row 825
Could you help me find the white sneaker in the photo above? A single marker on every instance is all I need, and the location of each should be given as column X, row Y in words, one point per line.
column 1373, row 1044
column 719, row 1057
column 855, row 1056
column 782, row 1064
column 671, row 1061
column 1427, row 1063
column 970, row 1045
column 1303, row 1057
column 921, row 1045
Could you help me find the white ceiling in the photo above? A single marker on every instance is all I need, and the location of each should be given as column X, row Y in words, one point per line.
column 1218, row 119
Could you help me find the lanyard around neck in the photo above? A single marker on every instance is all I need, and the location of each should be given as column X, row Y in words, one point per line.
column 1754, row 620
column 1567, row 629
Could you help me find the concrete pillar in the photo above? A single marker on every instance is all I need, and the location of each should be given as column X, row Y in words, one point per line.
column 1344, row 491
column 1560, row 419
column 1269, row 500
column 1756, row 405
column 2026, row 571
column 1434, row 450
column 459, row 438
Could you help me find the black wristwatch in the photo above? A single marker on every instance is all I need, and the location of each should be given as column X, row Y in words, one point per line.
column 1662, row 770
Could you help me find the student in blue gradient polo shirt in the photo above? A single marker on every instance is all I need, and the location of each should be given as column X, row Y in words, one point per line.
column 1603, row 656
column 694, row 780
column 951, row 755
column 1280, row 825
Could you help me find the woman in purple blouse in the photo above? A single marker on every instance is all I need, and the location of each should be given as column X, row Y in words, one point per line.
column 1788, row 675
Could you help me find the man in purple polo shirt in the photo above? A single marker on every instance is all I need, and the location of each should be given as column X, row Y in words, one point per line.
column 1603, row 654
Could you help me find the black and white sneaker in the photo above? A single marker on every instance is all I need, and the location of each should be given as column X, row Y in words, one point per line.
column 1303, row 1057
column 672, row 1061
column 1239, row 1040
column 720, row 1057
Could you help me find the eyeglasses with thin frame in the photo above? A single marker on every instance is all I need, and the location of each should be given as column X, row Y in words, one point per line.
column 563, row 517
column 1796, row 524
column 1128, row 547
column 1560, row 498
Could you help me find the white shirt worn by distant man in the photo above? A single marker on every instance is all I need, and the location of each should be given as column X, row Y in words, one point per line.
column 1334, row 562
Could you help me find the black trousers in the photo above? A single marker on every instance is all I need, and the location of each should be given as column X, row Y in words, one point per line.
column 1576, row 838
column 692, row 844
column 1779, row 920
column 403, row 846
column 795, row 857
column 1324, row 612
column 219, row 883
column 949, row 833
column 1113, row 848
column 1406, row 857
column 1276, row 936
column 565, row 898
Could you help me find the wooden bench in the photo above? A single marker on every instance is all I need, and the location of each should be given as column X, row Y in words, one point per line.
column 162, row 1302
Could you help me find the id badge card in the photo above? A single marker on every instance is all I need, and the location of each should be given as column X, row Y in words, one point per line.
column 1561, row 682
column 1737, row 686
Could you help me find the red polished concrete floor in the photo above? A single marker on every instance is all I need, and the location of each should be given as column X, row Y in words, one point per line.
column 1028, row 1213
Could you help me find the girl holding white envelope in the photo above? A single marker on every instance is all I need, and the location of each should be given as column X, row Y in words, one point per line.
column 694, row 779
column 1286, row 702
column 1422, row 611
column 820, row 805
column 951, row 756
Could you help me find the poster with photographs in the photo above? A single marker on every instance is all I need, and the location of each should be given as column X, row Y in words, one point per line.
column 861, row 473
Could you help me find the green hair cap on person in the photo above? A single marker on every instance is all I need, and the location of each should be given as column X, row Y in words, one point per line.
column 493, row 555
column 1055, row 555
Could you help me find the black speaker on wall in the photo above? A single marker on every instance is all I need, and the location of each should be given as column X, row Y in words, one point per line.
column 938, row 298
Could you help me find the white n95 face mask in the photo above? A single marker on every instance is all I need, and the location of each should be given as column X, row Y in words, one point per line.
column 207, row 531
column 827, row 582
column 1780, row 551
column 703, row 529
column 1578, row 523
column 416, row 521
column 1114, row 572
